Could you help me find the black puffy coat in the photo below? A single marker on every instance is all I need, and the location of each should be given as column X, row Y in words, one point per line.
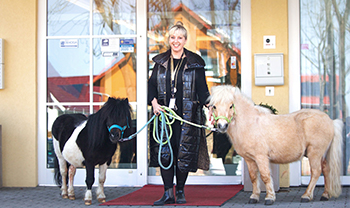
column 192, row 150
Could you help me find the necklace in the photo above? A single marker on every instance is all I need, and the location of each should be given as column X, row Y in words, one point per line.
column 175, row 72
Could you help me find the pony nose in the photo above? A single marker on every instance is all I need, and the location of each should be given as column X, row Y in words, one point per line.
column 115, row 136
column 222, row 127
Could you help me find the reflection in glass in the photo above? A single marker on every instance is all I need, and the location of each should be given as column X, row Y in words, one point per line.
column 112, row 17
column 68, row 17
column 114, row 71
column 214, row 33
column 68, row 71
column 324, row 64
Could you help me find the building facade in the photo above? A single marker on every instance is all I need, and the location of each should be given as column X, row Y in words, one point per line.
column 56, row 64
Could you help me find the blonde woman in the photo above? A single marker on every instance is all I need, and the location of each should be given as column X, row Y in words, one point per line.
column 178, row 81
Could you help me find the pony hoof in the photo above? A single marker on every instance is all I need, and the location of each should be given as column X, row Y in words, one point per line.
column 324, row 198
column 71, row 197
column 253, row 201
column 102, row 200
column 305, row 200
column 88, row 202
column 269, row 202
column 65, row 196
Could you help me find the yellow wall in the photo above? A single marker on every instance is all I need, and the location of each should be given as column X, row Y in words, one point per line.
column 18, row 100
column 270, row 17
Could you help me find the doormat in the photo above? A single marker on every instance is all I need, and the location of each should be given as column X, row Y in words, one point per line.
column 196, row 195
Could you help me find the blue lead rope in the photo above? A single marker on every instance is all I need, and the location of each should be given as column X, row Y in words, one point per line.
column 134, row 135
column 159, row 139
column 164, row 119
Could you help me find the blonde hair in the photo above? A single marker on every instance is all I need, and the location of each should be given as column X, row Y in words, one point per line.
column 178, row 27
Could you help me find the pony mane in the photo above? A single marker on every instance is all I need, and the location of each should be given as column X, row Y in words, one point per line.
column 264, row 110
column 97, row 128
column 221, row 93
column 230, row 94
column 227, row 94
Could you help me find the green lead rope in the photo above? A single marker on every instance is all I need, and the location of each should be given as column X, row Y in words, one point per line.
column 177, row 117
column 167, row 118
column 163, row 118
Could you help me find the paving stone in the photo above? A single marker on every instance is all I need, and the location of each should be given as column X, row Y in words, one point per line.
column 49, row 197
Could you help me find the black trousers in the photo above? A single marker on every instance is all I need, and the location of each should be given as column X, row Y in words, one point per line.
column 168, row 174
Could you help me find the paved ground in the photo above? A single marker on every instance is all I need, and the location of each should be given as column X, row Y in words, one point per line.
column 49, row 197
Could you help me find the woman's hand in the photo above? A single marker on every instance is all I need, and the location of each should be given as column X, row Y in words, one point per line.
column 156, row 107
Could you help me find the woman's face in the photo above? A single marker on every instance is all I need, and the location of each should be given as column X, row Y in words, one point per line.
column 177, row 42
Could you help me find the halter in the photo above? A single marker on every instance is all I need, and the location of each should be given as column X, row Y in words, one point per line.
column 224, row 117
column 119, row 127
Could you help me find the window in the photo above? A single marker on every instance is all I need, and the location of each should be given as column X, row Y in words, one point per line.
column 325, row 67
column 91, row 56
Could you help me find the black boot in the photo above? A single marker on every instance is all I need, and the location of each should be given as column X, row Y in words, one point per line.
column 180, row 196
column 167, row 198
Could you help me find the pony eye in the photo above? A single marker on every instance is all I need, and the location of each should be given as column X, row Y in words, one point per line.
column 231, row 106
column 214, row 107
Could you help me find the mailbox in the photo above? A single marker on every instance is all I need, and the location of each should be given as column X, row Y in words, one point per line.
column 268, row 69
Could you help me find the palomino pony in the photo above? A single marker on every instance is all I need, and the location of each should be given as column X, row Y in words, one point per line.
column 261, row 137
column 88, row 141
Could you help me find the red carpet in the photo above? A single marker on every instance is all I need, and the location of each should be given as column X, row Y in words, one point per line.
column 196, row 195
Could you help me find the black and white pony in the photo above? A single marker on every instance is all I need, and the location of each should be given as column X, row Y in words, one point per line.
column 88, row 141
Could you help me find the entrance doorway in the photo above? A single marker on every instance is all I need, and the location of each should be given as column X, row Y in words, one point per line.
column 76, row 73
column 214, row 32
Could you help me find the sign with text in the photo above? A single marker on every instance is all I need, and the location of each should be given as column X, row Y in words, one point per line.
column 110, row 47
column 69, row 43
column 127, row 45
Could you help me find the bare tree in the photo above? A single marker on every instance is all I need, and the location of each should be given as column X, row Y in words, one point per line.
column 106, row 12
column 342, row 18
column 326, row 31
column 330, row 61
column 315, row 35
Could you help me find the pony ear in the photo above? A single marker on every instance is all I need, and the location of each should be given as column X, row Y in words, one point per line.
column 127, row 100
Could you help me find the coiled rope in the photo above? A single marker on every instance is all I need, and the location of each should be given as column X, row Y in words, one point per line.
column 159, row 139
column 167, row 118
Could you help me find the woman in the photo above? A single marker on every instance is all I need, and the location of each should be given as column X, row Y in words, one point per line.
column 178, row 81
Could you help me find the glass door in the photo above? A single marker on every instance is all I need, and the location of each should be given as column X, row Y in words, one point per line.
column 325, row 68
column 89, row 54
column 214, row 32
column 321, row 79
column 91, row 49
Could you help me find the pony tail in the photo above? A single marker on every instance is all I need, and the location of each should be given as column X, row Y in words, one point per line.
column 57, row 174
column 334, row 159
